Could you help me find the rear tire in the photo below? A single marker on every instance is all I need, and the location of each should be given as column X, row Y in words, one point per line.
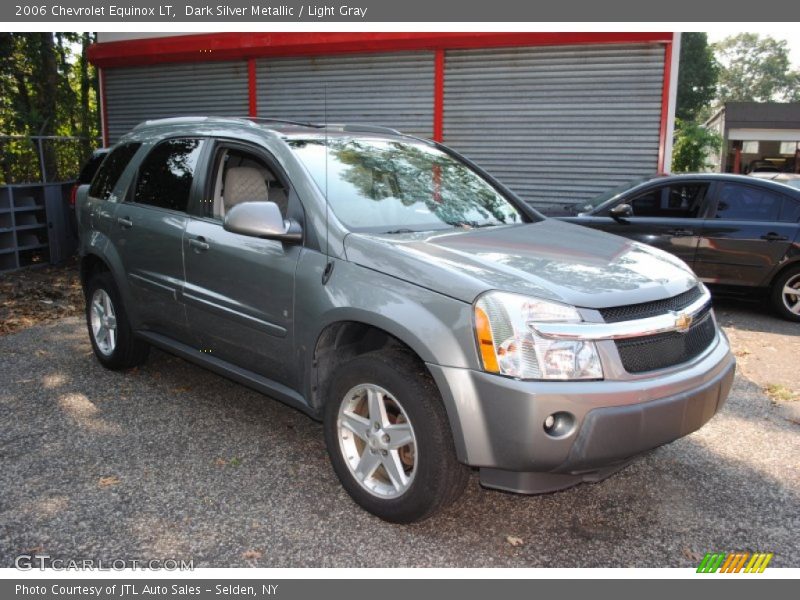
column 786, row 303
column 113, row 341
column 396, row 481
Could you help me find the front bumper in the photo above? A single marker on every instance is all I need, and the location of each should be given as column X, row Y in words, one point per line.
column 498, row 422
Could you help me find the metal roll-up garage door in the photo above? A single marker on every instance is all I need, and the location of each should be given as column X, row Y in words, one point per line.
column 136, row 94
column 392, row 90
column 556, row 124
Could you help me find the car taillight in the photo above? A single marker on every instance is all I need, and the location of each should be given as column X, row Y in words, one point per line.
column 73, row 195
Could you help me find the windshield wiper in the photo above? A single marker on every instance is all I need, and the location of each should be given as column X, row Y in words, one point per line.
column 395, row 231
column 472, row 224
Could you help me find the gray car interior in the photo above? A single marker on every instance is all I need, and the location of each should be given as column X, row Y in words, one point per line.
column 242, row 177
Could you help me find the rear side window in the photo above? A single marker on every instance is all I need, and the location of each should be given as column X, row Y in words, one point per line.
column 111, row 170
column 790, row 212
column 745, row 203
column 166, row 175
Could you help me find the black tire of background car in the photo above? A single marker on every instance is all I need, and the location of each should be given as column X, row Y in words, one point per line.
column 776, row 294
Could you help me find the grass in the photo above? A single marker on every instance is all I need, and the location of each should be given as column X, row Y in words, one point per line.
column 779, row 393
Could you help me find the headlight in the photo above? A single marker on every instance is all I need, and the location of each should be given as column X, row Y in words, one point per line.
column 509, row 345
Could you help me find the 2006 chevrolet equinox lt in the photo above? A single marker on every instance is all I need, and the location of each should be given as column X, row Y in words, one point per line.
column 391, row 288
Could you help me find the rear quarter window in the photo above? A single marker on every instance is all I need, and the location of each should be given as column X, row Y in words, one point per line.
column 111, row 170
column 790, row 212
column 90, row 167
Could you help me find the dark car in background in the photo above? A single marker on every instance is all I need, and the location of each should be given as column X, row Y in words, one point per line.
column 740, row 234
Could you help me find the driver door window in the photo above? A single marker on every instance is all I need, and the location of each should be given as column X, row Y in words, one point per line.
column 677, row 201
column 241, row 176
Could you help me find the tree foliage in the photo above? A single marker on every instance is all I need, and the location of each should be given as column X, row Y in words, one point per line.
column 693, row 144
column 697, row 77
column 756, row 69
column 47, row 88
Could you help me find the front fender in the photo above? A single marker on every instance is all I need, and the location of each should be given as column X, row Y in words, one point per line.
column 436, row 327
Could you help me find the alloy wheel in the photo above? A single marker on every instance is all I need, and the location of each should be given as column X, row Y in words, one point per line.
column 377, row 441
column 104, row 322
column 791, row 294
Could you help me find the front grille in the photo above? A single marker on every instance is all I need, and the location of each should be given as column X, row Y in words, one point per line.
column 662, row 350
column 651, row 309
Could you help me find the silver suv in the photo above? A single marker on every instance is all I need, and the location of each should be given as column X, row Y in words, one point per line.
column 394, row 290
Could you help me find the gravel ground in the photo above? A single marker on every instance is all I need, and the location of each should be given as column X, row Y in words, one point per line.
column 170, row 461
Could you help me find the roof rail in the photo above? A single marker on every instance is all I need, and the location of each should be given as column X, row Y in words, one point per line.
column 355, row 127
column 286, row 121
column 173, row 120
column 344, row 127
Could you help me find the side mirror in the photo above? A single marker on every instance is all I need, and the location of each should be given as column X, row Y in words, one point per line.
column 262, row 220
column 621, row 212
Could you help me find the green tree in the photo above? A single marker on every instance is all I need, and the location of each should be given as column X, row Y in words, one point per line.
column 755, row 69
column 47, row 88
column 692, row 146
column 697, row 77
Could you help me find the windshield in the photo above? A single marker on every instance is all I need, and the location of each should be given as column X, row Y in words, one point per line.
column 613, row 192
column 391, row 186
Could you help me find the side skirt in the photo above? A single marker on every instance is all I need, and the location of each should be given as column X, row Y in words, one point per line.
column 252, row 380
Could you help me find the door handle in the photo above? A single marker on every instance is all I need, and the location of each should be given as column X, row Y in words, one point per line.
column 680, row 232
column 125, row 222
column 774, row 237
column 199, row 244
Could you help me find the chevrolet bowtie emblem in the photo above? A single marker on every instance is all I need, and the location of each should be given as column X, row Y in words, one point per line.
column 683, row 322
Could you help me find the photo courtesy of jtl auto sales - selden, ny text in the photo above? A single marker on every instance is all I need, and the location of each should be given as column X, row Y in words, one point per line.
column 419, row 299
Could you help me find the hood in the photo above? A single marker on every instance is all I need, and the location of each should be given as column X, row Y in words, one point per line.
column 550, row 259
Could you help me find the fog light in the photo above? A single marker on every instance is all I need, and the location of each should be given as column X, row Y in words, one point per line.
column 559, row 424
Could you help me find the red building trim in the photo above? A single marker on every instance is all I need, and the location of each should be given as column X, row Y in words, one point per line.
column 438, row 96
column 103, row 107
column 252, row 92
column 662, row 138
column 250, row 46
column 242, row 46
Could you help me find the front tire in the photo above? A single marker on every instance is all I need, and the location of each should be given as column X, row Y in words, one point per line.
column 389, row 439
column 786, row 294
column 113, row 341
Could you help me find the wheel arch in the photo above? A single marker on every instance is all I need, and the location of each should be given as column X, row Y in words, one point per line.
column 792, row 263
column 342, row 340
column 99, row 257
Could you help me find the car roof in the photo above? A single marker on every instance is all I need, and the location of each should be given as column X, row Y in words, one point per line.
column 733, row 178
column 709, row 177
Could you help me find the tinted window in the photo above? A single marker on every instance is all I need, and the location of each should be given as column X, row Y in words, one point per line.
column 91, row 166
column 681, row 200
column 166, row 175
column 111, row 170
column 790, row 211
column 745, row 203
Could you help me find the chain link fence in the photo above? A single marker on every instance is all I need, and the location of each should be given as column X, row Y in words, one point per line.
column 43, row 158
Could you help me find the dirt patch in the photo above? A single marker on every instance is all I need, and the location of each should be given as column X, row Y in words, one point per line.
column 766, row 347
column 33, row 296
column 766, row 350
